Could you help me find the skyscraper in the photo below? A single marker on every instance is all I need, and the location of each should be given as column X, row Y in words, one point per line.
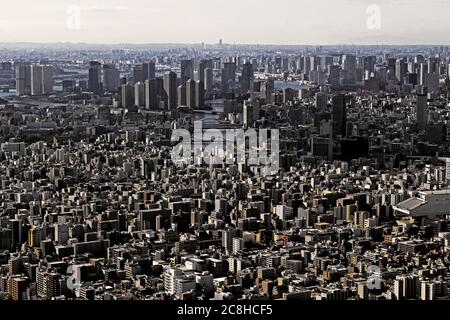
column 306, row 65
column 228, row 76
column 208, row 80
column 110, row 78
column 139, row 94
column 421, row 110
column 151, row 93
column 190, row 94
column 47, row 284
column 339, row 115
column 246, row 80
column 35, row 235
column 41, row 79
column 322, row 147
column 227, row 238
column 247, row 114
column 401, row 68
column 62, row 233
column 138, row 73
column 170, row 90
column 423, row 71
column 127, row 95
column 406, row 287
column 369, row 64
column 36, row 80
column 433, row 65
column 349, row 67
column 23, row 79
column 267, row 90
column 187, row 70
column 18, row 287
column 144, row 71
column 199, row 94
column 333, row 74
column 47, row 79
column 202, row 66
column 148, row 71
column 94, row 83
column 181, row 92
column 321, row 100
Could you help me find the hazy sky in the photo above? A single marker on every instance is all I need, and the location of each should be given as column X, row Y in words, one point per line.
column 240, row 21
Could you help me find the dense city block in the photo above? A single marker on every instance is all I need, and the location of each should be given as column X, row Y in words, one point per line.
column 93, row 205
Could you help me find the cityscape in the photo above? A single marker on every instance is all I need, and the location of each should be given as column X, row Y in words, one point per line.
column 224, row 171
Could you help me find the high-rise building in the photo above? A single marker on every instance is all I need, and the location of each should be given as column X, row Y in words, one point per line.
column 23, row 79
column 111, row 78
column 190, row 94
column 16, row 233
column 423, row 72
column 306, row 65
column 62, row 233
column 406, row 287
column 238, row 245
column 35, row 235
column 363, row 291
column 250, row 113
column 94, row 82
column 325, row 61
column 18, row 287
column 41, row 79
column 349, row 67
column 138, row 73
column 369, row 64
column 267, row 90
column 447, row 170
column 150, row 94
column 321, row 100
column 199, row 94
column 153, row 93
column 398, row 289
column 202, row 66
column 246, row 80
column 421, row 110
column 228, row 76
column 339, row 115
column 433, row 65
column 333, row 74
column 47, row 79
column 14, row 264
column 139, row 94
column 322, row 147
column 288, row 95
column 181, row 93
column 432, row 82
column 170, row 276
column 427, row 290
column 401, row 67
column 170, row 90
column 47, row 284
column 127, row 95
column 144, row 71
column 227, row 238
column 36, row 80
column 148, row 70
column 187, row 70
column 208, row 80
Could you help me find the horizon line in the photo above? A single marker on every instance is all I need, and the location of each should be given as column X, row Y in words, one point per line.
column 216, row 44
